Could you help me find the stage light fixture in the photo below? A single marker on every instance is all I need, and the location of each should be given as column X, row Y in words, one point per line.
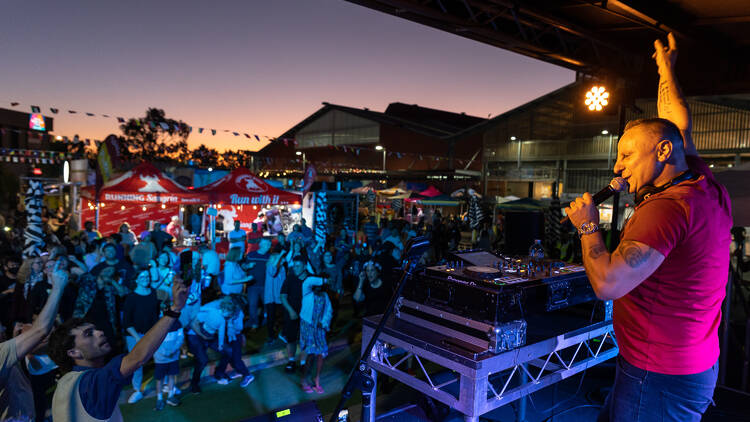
column 122, row 207
column 144, row 208
column 597, row 98
column 605, row 132
column 298, row 152
column 379, row 147
column 512, row 138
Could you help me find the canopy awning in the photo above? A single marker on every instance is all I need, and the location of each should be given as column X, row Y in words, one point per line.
column 241, row 187
column 145, row 184
column 440, row 201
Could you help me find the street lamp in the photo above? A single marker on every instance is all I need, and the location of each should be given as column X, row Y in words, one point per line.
column 381, row 148
column 609, row 148
column 304, row 159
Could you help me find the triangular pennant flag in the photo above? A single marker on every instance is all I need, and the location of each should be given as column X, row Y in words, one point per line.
column 13, row 104
column 54, row 110
column 72, row 111
column 120, row 120
column 258, row 139
column 246, row 135
column 152, row 125
column 235, row 134
column 176, row 127
column 200, row 130
column 226, row 130
column 164, row 125
column 105, row 115
column 35, row 109
column 90, row 114
column 213, row 132
column 190, row 129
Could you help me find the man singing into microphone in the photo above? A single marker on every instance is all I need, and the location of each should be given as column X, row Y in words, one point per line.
column 668, row 275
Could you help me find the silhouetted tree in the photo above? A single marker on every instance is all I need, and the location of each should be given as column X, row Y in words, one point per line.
column 155, row 137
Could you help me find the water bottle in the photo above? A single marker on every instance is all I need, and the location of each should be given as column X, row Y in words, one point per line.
column 536, row 252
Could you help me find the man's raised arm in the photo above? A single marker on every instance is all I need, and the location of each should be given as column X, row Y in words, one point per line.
column 151, row 341
column 671, row 103
column 29, row 339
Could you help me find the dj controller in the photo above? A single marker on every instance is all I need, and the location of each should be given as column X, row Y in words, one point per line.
column 493, row 292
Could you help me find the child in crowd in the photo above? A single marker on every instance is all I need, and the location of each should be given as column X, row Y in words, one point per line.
column 167, row 364
column 315, row 320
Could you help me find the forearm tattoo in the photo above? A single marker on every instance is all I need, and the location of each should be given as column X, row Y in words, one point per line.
column 596, row 251
column 632, row 254
column 663, row 103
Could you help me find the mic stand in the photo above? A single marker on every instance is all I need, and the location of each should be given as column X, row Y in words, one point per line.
column 359, row 377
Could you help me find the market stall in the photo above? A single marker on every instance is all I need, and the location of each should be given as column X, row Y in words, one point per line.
column 137, row 196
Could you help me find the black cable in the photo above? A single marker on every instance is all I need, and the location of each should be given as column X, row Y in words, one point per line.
column 582, row 406
column 555, row 406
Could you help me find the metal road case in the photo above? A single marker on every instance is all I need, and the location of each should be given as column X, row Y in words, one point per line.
column 476, row 384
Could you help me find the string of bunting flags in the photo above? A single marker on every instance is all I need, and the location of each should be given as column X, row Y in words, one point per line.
column 213, row 132
column 163, row 125
column 397, row 154
column 33, row 156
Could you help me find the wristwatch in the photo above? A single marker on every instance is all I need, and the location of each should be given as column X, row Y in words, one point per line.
column 170, row 313
column 588, row 228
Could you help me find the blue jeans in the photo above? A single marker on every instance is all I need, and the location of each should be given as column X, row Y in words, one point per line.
column 644, row 396
column 232, row 353
column 137, row 381
column 254, row 303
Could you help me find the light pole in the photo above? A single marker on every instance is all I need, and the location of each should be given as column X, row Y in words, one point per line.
column 304, row 160
column 381, row 148
column 609, row 149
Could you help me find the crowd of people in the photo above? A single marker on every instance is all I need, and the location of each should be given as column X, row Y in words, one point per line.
column 87, row 313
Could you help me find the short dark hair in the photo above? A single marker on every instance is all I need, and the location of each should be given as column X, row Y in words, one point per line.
column 61, row 340
column 662, row 128
column 109, row 245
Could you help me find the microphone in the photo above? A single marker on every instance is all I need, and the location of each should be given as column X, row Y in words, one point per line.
column 618, row 184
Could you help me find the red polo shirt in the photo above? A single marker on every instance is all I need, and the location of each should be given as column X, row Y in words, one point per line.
column 669, row 323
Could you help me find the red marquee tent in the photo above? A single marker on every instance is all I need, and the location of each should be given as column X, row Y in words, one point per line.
column 242, row 195
column 145, row 184
column 137, row 196
column 241, row 187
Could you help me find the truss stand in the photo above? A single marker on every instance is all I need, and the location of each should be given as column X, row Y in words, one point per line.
column 362, row 377
column 477, row 385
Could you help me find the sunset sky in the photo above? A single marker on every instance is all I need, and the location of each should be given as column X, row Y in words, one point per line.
column 257, row 66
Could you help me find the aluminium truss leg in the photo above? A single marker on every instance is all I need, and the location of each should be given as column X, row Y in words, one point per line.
column 521, row 414
column 368, row 399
